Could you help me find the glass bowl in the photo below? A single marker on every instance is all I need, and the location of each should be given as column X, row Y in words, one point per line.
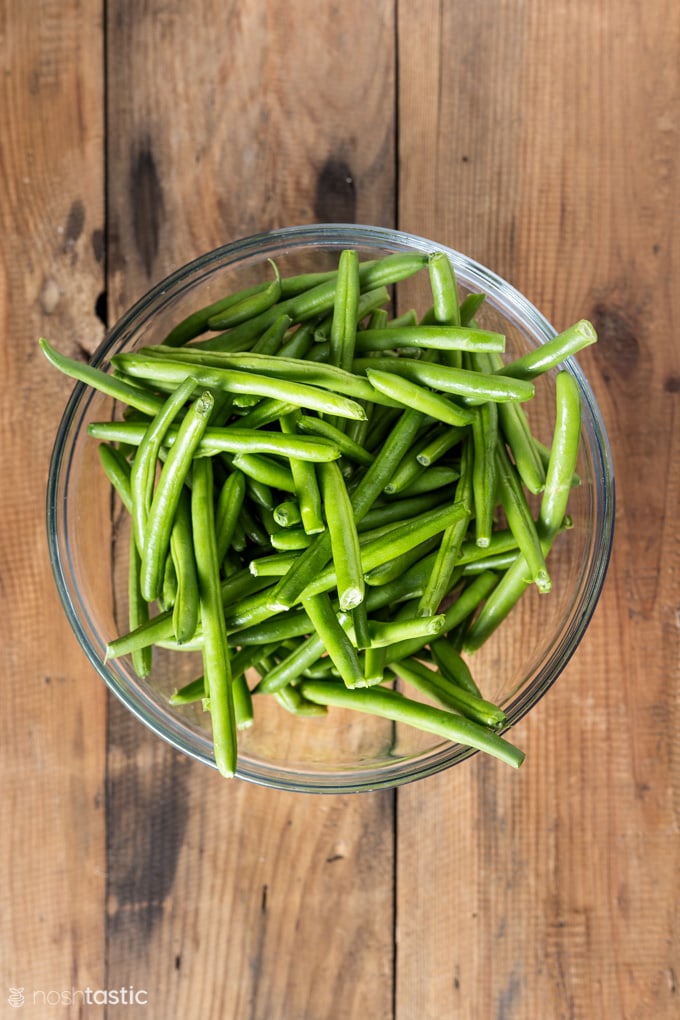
column 346, row 751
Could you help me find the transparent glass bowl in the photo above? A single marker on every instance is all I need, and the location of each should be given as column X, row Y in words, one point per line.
column 346, row 751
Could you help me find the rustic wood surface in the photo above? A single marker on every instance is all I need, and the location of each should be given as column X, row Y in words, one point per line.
column 544, row 140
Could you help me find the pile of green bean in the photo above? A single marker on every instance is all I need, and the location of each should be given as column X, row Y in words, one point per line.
column 325, row 500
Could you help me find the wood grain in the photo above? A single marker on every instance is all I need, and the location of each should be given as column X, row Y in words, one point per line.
column 542, row 139
column 52, row 726
column 560, row 172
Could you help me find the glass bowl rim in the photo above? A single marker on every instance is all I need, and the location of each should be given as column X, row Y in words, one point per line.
column 506, row 298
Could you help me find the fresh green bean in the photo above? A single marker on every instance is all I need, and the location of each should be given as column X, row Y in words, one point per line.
column 138, row 612
column 472, row 387
column 520, row 521
column 243, row 702
column 143, row 470
column 345, row 309
column 215, row 652
column 249, row 306
column 271, row 340
column 395, row 706
column 169, row 372
column 342, row 652
column 446, row 307
column 410, row 394
column 266, row 470
column 186, row 604
column 229, row 505
column 470, row 306
column 344, row 537
column 552, row 353
column 166, row 496
column 344, row 443
column 434, row 337
column 293, row 701
column 439, row 582
column 226, row 439
column 305, row 484
column 514, row 425
column 431, row 683
column 119, row 389
column 117, row 470
column 485, row 442
column 563, row 457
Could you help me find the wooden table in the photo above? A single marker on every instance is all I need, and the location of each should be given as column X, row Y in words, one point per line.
column 543, row 139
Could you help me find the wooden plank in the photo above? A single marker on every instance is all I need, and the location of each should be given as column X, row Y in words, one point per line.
column 548, row 157
column 226, row 899
column 52, row 726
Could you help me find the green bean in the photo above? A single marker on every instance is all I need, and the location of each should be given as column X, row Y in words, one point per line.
column 215, row 652
column 344, row 322
column 129, row 394
column 320, row 298
column 117, row 470
column 550, row 354
column 342, row 652
column 138, row 612
column 434, row 337
column 520, row 521
column 439, row 582
column 229, row 505
column 410, row 394
column 469, row 599
column 485, row 442
column 171, row 372
column 314, row 558
column 360, row 625
column 344, row 538
column 271, row 340
column 168, row 592
column 293, row 701
column 292, row 666
column 305, row 483
column 243, row 702
column 172, row 477
column 441, row 442
column 383, row 550
column 186, row 605
column 563, row 457
column 264, row 469
column 226, row 439
column 374, row 666
column 410, row 466
column 472, row 387
column 386, row 633
column 452, row 665
column 143, row 470
column 248, row 307
column 344, row 443
column 500, row 602
column 392, row 705
column 470, row 306
column 434, row 685
column 290, row 539
column 446, row 307
column 515, row 427
column 387, row 572
column 431, row 479
column 287, row 514
column 278, row 628
column 310, row 371
column 265, row 412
